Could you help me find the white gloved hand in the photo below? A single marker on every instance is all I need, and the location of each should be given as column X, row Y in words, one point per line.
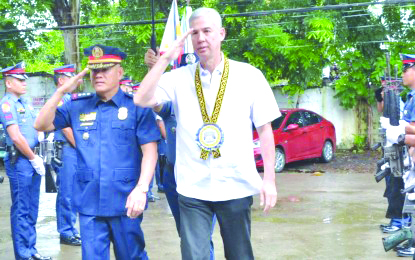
column 41, row 136
column 51, row 136
column 37, row 163
column 393, row 132
column 411, row 196
column 384, row 122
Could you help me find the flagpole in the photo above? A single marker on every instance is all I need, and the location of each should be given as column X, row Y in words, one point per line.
column 153, row 30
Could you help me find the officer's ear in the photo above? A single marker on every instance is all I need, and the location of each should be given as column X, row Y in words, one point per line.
column 61, row 81
column 8, row 82
column 120, row 73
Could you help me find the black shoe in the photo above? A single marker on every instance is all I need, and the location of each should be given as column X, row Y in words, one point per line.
column 406, row 252
column 390, row 229
column 71, row 241
column 151, row 199
column 37, row 256
column 77, row 236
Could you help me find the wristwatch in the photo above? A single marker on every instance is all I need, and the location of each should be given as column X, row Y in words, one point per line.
column 401, row 139
column 143, row 188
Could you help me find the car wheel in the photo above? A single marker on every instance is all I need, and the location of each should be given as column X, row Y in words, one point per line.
column 279, row 160
column 327, row 153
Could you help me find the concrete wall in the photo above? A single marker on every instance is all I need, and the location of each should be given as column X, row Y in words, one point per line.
column 39, row 89
column 322, row 101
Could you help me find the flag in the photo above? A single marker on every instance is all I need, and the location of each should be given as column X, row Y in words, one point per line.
column 185, row 26
column 172, row 31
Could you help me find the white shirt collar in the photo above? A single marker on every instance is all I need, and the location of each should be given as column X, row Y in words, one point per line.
column 218, row 69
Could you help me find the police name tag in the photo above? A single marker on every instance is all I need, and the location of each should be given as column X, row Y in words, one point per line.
column 122, row 113
column 209, row 137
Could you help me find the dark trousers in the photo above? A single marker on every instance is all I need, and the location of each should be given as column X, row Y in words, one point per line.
column 25, row 189
column 125, row 233
column 234, row 217
column 65, row 210
column 395, row 198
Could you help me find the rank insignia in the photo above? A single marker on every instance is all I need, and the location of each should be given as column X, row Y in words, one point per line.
column 5, row 107
column 88, row 117
column 122, row 113
column 21, row 110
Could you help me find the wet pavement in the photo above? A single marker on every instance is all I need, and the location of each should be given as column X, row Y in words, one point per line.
column 319, row 215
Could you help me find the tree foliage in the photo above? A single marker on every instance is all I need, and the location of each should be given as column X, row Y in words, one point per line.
column 289, row 48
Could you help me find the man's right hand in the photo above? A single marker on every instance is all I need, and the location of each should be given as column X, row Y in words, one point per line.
column 176, row 48
column 38, row 165
column 71, row 84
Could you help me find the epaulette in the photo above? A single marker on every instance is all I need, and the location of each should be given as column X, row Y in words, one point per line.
column 129, row 94
column 77, row 96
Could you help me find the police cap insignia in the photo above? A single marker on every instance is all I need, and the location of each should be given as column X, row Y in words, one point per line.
column 97, row 52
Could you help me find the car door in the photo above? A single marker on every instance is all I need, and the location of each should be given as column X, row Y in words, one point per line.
column 314, row 134
column 294, row 138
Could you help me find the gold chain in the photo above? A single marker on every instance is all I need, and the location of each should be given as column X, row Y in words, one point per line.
column 218, row 103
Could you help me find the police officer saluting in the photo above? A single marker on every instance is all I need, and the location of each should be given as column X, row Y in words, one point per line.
column 65, row 210
column 126, row 84
column 116, row 153
column 23, row 167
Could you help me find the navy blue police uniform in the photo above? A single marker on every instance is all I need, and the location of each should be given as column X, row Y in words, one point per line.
column 66, row 213
column 24, row 181
column 108, row 136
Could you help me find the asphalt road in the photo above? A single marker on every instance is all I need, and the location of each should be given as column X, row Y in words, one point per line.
column 319, row 215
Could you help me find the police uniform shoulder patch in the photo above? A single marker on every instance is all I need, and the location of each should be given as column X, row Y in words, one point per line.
column 5, row 107
column 77, row 96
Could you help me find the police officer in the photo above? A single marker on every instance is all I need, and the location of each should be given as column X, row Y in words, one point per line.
column 65, row 211
column 395, row 197
column 116, row 153
column 23, row 167
column 135, row 87
column 126, row 84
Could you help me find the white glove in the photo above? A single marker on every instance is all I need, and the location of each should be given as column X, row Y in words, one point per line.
column 384, row 122
column 37, row 163
column 51, row 136
column 393, row 132
column 41, row 136
column 411, row 196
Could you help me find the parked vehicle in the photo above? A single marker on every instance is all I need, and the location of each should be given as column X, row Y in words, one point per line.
column 299, row 134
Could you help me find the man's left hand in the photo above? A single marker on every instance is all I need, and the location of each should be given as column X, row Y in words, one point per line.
column 136, row 203
column 268, row 195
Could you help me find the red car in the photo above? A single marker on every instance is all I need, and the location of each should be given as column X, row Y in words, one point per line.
column 299, row 134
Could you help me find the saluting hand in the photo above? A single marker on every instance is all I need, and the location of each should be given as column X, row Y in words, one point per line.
column 174, row 51
column 73, row 82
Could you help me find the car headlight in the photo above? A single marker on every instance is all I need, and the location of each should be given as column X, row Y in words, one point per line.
column 257, row 144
